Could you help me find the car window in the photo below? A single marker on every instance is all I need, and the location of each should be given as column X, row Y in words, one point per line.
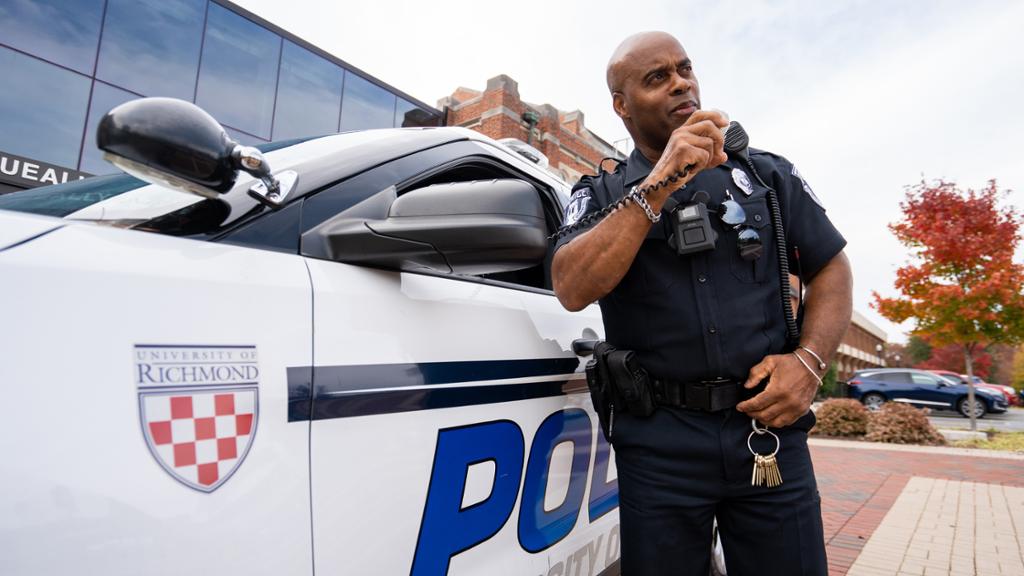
column 894, row 377
column 924, row 379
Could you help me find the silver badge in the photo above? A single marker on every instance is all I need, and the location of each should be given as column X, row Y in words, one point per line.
column 807, row 188
column 577, row 206
column 741, row 180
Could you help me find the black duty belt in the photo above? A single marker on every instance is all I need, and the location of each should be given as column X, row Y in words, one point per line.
column 710, row 395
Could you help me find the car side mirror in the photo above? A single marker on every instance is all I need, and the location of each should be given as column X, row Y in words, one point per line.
column 175, row 143
column 480, row 227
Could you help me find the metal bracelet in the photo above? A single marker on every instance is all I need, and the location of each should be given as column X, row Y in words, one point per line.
column 821, row 363
column 809, row 369
column 639, row 200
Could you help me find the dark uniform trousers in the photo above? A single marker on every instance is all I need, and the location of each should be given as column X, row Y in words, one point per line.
column 678, row 469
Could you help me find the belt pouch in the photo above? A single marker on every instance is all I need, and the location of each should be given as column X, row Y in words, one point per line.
column 632, row 382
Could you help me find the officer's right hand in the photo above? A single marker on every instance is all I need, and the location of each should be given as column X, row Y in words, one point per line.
column 698, row 143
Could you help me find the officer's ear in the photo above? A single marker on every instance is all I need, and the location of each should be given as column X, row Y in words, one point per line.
column 619, row 105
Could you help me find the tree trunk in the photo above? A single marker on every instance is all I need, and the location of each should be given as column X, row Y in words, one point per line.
column 968, row 349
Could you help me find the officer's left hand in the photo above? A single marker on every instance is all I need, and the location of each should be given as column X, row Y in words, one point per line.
column 788, row 395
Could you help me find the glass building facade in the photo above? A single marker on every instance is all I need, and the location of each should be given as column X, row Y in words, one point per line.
column 67, row 62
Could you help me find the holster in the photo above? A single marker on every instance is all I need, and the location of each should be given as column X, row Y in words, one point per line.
column 617, row 382
column 602, row 392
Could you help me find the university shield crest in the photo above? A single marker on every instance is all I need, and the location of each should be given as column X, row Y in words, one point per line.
column 199, row 406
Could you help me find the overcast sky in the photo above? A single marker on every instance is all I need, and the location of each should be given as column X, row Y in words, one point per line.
column 864, row 97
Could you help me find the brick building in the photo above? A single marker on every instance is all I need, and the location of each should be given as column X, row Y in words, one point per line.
column 498, row 112
column 862, row 347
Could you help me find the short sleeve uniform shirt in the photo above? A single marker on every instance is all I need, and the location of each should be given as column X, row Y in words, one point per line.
column 711, row 314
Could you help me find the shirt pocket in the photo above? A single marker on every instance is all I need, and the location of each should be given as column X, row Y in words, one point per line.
column 751, row 271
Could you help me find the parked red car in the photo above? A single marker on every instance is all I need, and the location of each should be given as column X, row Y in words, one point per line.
column 1006, row 391
column 1011, row 394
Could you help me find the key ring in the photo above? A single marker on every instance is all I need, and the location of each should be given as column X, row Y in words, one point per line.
column 753, row 424
column 759, row 432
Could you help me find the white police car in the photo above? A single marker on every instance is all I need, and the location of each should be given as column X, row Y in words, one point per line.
column 351, row 364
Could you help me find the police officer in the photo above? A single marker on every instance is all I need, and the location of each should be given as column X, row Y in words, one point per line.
column 708, row 327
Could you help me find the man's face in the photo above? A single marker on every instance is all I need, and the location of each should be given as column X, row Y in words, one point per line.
column 658, row 90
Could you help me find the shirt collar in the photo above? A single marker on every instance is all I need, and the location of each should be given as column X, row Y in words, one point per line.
column 637, row 167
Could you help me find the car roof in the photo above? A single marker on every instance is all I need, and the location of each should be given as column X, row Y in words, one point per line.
column 868, row 371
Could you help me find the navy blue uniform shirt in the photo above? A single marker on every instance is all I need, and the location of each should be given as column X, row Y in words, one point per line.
column 711, row 314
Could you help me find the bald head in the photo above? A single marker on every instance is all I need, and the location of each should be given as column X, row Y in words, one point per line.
column 624, row 59
column 653, row 87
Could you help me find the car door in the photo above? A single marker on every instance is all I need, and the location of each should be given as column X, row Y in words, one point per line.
column 928, row 390
column 144, row 415
column 451, row 427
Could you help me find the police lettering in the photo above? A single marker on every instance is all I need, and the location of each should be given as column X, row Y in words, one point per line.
column 448, row 528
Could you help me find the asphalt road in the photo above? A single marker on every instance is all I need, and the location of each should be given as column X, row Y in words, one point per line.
column 1011, row 421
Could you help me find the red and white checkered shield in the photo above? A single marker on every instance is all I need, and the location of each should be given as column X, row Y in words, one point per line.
column 200, row 437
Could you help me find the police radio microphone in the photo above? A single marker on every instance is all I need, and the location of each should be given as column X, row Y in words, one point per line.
column 737, row 141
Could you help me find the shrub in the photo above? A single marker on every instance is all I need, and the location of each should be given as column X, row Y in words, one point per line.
column 841, row 417
column 898, row 423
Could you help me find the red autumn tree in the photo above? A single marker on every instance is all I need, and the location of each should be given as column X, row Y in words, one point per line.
column 962, row 286
column 952, row 358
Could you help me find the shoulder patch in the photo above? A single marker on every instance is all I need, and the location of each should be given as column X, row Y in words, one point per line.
column 807, row 188
column 577, row 206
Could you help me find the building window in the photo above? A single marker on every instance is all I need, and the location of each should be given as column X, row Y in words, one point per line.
column 53, row 30
column 366, row 105
column 308, row 95
column 238, row 72
column 409, row 115
column 152, row 46
column 104, row 98
column 43, row 111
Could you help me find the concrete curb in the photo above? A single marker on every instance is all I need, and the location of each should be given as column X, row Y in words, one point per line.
column 858, row 445
column 953, row 435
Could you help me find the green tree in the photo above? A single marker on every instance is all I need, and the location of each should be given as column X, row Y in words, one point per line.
column 1017, row 378
column 918, row 350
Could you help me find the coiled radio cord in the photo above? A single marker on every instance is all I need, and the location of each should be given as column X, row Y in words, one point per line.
column 591, row 219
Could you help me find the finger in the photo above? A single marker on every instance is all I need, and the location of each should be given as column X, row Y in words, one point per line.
column 693, row 156
column 760, row 371
column 707, row 128
column 710, row 131
column 704, row 143
column 714, row 116
column 769, row 416
column 759, row 402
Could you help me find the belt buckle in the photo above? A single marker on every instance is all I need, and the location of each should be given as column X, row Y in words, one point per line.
column 698, row 396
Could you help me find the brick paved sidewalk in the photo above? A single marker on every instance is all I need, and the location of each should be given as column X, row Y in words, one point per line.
column 860, row 483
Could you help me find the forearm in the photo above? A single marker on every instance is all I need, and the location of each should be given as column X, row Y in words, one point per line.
column 828, row 307
column 590, row 266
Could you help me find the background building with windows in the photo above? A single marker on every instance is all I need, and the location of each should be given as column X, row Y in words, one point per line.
column 68, row 63
column 571, row 150
column 863, row 346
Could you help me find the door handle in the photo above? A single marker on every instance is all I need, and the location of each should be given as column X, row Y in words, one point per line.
column 584, row 346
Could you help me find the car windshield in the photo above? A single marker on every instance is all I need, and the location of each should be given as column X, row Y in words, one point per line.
column 948, row 378
column 108, row 199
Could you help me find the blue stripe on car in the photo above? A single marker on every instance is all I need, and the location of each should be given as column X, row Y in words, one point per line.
column 326, row 392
